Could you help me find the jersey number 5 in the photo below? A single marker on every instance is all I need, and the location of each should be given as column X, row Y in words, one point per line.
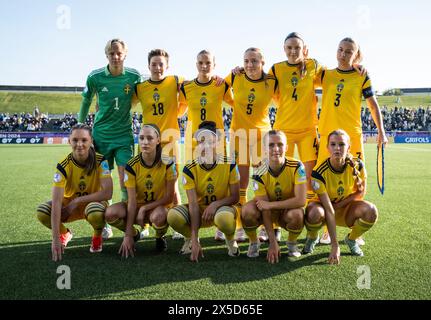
column 249, row 108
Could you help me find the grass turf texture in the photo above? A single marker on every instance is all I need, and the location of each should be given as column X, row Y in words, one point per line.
column 396, row 251
column 60, row 103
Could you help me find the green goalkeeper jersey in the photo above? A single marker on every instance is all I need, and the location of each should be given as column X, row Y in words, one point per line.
column 114, row 98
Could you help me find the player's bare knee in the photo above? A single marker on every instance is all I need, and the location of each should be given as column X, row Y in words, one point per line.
column 314, row 214
column 294, row 218
column 110, row 215
column 249, row 214
column 371, row 213
column 158, row 218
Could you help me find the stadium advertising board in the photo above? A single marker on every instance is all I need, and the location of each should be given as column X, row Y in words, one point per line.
column 413, row 137
column 33, row 138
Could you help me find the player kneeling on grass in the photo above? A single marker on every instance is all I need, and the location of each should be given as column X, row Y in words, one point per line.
column 150, row 182
column 211, row 182
column 81, row 190
column 340, row 183
column 280, row 191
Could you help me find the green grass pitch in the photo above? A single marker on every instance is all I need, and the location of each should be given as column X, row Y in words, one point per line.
column 397, row 249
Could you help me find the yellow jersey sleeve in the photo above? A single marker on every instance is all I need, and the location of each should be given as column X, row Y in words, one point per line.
column 300, row 177
column 60, row 177
column 171, row 171
column 188, row 178
column 228, row 97
column 258, row 186
column 318, row 183
column 234, row 174
column 129, row 177
column 103, row 169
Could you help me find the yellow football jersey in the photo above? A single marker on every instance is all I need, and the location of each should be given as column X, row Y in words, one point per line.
column 149, row 181
column 297, row 101
column 338, row 185
column 72, row 177
column 281, row 186
column 211, row 184
column 159, row 101
column 204, row 102
column 341, row 100
column 252, row 99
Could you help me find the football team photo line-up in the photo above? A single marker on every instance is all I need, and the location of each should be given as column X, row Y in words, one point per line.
column 324, row 187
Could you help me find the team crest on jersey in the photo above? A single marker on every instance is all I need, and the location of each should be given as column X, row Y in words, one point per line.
column 149, row 183
column 57, row 177
column 203, row 101
column 156, row 95
column 315, row 185
column 340, row 191
column 294, row 81
column 340, row 87
column 184, row 180
column 251, row 97
column 127, row 88
column 210, row 188
column 82, row 186
column 126, row 177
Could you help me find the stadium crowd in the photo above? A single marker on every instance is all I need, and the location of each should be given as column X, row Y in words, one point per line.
column 395, row 119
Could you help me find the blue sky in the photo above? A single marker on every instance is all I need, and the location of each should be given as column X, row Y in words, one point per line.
column 60, row 42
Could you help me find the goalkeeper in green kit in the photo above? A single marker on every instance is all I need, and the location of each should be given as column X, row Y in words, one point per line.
column 114, row 87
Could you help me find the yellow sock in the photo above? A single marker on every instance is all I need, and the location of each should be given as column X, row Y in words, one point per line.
column 312, row 229
column 251, row 233
column 160, row 231
column 238, row 218
column 120, row 224
column 224, row 220
column 44, row 216
column 293, row 234
column 359, row 228
column 94, row 213
column 243, row 196
column 179, row 220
